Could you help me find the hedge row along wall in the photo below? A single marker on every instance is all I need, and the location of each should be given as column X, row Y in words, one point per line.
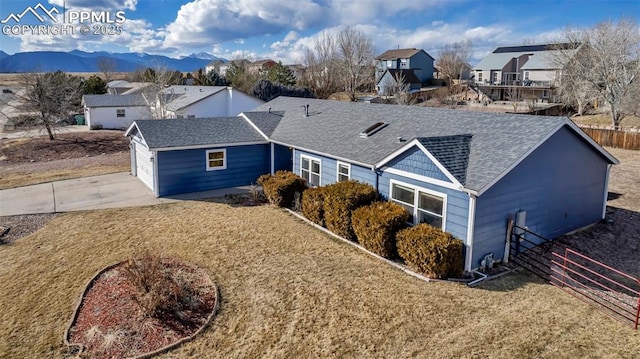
column 281, row 187
column 340, row 200
column 431, row 251
column 376, row 226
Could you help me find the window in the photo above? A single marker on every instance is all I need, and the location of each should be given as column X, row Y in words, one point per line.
column 526, row 75
column 390, row 64
column 310, row 170
column 120, row 112
column 216, row 160
column 545, row 93
column 495, row 78
column 191, row 116
column 403, row 63
column 480, row 76
column 425, row 206
column 344, row 171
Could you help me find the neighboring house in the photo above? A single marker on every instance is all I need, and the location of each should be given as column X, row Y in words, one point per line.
column 206, row 101
column 213, row 66
column 467, row 70
column 406, row 59
column 397, row 81
column 298, row 70
column 464, row 172
column 224, row 67
column 260, row 65
column 113, row 111
column 122, row 87
column 527, row 71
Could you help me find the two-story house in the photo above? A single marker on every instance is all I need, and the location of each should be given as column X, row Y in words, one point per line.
column 408, row 64
column 529, row 71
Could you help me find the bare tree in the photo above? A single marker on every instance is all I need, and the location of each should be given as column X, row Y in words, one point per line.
column 322, row 67
column 108, row 67
column 50, row 97
column 356, row 60
column 453, row 60
column 514, row 94
column 607, row 63
column 158, row 93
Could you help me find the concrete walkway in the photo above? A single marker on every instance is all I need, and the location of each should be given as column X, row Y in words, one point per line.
column 98, row 192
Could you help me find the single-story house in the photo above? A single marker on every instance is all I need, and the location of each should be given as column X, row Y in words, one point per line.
column 464, row 172
column 113, row 111
column 207, row 101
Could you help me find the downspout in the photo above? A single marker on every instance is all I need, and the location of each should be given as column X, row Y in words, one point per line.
column 606, row 191
column 272, row 159
column 154, row 158
column 471, row 222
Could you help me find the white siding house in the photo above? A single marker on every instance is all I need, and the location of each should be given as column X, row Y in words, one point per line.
column 207, row 101
column 113, row 111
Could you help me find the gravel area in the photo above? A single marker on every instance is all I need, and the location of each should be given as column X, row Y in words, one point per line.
column 23, row 225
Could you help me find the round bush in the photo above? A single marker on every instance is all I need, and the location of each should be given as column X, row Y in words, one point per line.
column 431, row 251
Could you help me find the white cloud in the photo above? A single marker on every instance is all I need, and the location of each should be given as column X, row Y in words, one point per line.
column 97, row 4
column 202, row 22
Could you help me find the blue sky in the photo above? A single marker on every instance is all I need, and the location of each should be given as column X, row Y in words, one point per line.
column 283, row 29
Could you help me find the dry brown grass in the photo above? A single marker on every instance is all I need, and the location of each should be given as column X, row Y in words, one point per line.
column 289, row 291
column 13, row 180
column 605, row 120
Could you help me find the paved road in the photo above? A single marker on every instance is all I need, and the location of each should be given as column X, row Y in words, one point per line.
column 97, row 192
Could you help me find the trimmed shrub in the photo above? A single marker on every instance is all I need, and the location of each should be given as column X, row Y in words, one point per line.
column 281, row 187
column 376, row 226
column 431, row 251
column 312, row 205
column 340, row 199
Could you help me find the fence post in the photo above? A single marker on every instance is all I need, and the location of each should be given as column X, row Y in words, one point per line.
column 637, row 313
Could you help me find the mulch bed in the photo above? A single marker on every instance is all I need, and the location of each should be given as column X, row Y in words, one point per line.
column 109, row 323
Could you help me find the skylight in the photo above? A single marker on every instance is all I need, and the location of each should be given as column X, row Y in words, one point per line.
column 373, row 129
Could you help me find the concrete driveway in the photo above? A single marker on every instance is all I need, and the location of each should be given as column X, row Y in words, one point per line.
column 98, row 192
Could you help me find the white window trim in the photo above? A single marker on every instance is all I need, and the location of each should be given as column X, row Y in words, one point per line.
column 338, row 163
column 124, row 112
column 416, row 198
column 224, row 159
column 309, row 158
column 526, row 75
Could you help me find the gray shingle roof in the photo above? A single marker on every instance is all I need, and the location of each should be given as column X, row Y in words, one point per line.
column 452, row 152
column 407, row 74
column 497, row 141
column 113, row 100
column 183, row 96
column 196, row 132
column 267, row 122
column 399, row 54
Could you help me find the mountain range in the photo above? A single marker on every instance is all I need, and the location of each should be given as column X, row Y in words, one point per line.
column 81, row 61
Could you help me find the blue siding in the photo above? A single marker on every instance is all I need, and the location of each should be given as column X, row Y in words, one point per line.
column 457, row 202
column 283, row 158
column 185, row 171
column 560, row 186
column 416, row 161
column 328, row 169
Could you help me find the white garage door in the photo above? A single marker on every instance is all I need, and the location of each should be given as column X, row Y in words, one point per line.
column 144, row 166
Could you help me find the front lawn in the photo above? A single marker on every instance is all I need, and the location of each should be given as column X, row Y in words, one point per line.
column 290, row 291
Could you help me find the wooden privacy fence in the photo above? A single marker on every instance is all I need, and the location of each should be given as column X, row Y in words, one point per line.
column 628, row 138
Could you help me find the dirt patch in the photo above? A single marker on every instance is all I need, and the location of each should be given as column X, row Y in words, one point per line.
column 65, row 146
column 28, row 161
